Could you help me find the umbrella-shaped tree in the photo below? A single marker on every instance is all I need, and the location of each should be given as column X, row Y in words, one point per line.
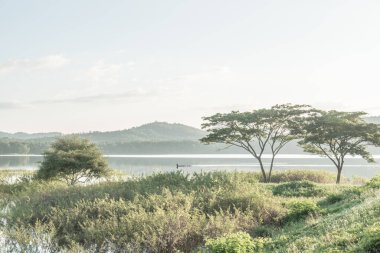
column 258, row 130
column 336, row 135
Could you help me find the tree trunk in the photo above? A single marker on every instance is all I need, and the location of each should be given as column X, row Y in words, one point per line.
column 262, row 170
column 270, row 169
column 339, row 174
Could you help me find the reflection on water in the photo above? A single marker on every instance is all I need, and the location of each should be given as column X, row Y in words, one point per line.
column 147, row 164
column 19, row 162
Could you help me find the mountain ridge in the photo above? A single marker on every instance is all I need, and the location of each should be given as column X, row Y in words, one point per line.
column 151, row 138
column 154, row 131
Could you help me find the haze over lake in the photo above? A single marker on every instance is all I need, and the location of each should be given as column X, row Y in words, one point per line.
column 148, row 164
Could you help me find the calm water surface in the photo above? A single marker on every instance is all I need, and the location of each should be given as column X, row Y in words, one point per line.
column 147, row 164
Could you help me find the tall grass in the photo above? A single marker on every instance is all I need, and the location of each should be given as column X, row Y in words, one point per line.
column 177, row 212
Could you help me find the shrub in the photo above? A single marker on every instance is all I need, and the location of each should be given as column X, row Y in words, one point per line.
column 297, row 189
column 158, row 223
column 347, row 194
column 222, row 179
column 165, row 212
column 175, row 181
column 316, row 176
column 239, row 242
column 299, row 209
column 242, row 197
column 357, row 180
column 73, row 160
column 262, row 231
column 374, row 182
column 370, row 241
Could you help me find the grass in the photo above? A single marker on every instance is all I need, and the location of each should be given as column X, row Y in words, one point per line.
column 175, row 212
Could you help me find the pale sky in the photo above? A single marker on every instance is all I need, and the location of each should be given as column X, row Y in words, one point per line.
column 86, row 65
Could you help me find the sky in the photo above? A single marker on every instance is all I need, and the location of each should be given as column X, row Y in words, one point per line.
column 90, row 65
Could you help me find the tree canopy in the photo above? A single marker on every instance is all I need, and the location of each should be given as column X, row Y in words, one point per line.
column 335, row 135
column 73, row 160
column 257, row 130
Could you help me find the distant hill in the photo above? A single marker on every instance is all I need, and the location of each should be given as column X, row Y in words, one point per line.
column 152, row 138
column 156, row 137
column 28, row 136
column 152, row 132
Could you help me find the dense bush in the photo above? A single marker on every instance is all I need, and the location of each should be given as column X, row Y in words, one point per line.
column 176, row 212
column 297, row 189
column 370, row 241
column 349, row 194
column 239, row 242
column 299, row 209
column 159, row 223
column 163, row 222
column 158, row 213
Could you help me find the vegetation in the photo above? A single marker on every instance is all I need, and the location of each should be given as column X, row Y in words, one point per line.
column 156, row 137
column 297, row 189
column 176, row 212
column 257, row 130
column 316, row 176
column 371, row 239
column 73, row 160
column 331, row 134
column 239, row 242
column 299, row 211
column 337, row 134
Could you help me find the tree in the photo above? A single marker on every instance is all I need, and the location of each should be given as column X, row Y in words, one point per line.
column 73, row 160
column 257, row 130
column 335, row 135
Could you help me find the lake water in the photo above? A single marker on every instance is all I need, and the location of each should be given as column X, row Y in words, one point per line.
column 148, row 164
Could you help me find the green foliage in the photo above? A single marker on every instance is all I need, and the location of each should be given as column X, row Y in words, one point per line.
column 159, row 223
column 297, row 189
column 299, row 209
column 239, row 242
column 73, row 160
column 262, row 231
column 257, row 130
column 176, row 212
column 337, row 134
column 164, row 212
column 339, row 231
column 346, row 195
column 374, row 182
column 370, row 241
column 316, row 176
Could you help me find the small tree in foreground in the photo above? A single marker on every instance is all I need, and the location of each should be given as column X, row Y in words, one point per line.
column 73, row 160
column 336, row 134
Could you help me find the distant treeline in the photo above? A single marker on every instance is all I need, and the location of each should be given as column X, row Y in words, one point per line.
column 162, row 147
column 20, row 147
column 167, row 147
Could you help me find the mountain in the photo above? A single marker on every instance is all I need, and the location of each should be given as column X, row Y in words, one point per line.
column 28, row 136
column 152, row 132
column 156, row 138
column 152, row 138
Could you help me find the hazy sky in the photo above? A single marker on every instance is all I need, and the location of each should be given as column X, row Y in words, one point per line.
column 80, row 65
